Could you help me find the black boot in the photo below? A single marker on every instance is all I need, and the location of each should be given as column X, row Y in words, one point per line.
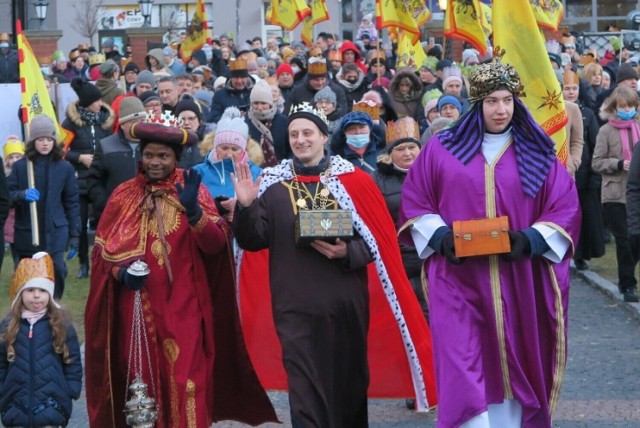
column 630, row 295
column 83, row 272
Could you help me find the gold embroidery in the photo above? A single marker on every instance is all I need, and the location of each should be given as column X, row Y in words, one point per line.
column 156, row 250
column 561, row 349
column 171, row 352
column 170, row 218
column 191, row 404
column 494, row 272
column 201, row 224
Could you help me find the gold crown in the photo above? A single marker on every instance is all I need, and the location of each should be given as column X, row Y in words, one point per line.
column 369, row 107
column 167, row 119
column 97, row 59
column 403, row 129
column 335, row 56
column 237, row 64
column 317, row 67
column 44, row 60
column 29, row 269
column 305, row 107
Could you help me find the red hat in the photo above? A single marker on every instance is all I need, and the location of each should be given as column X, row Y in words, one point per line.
column 284, row 68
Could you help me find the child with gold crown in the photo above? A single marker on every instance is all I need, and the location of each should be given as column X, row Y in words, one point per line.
column 40, row 367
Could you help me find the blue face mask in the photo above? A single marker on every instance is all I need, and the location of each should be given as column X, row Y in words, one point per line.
column 358, row 141
column 626, row 115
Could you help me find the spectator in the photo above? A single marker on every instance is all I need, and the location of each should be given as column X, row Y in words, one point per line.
column 8, row 61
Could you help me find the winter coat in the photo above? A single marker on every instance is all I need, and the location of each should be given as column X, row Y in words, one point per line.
column 607, row 160
column 109, row 90
column 114, row 162
column 575, row 135
column 161, row 68
column 279, row 132
column 190, row 156
column 227, row 96
column 86, row 137
column 409, row 105
column 58, row 207
column 37, row 388
column 586, row 177
column 217, row 179
column 633, row 194
column 353, row 92
column 390, row 181
column 303, row 92
column 9, row 67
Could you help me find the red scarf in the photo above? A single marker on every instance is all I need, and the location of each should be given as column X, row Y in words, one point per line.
column 624, row 126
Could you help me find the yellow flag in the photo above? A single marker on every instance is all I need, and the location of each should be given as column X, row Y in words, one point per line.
column 287, row 13
column 35, row 96
column 515, row 30
column 319, row 13
column 409, row 54
column 548, row 13
column 486, row 19
column 463, row 20
column 197, row 33
column 408, row 15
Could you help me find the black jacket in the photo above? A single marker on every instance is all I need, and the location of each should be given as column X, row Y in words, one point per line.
column 303, row 92
column 85, row 139
column 9, row 67
column 114, row 162
column 279, row 133
column 228, row 97
column 633, row 194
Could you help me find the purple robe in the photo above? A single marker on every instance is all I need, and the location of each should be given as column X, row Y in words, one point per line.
column 485, row 353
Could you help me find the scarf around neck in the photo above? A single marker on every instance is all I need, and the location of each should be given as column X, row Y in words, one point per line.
column 624, row 127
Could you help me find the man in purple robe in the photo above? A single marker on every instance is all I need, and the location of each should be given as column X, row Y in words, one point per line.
column 499, row 322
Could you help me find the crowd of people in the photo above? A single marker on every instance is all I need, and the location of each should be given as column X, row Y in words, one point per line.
column 202, row 168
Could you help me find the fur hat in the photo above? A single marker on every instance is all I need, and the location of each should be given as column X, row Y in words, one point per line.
column 231, row 129
column 188, row 104
column 261, row 92
column 42, row 126
column 325, row 94
column 145, row 76
column 87, row 92
column 131, row 108
column 34, row 272
column 108, row 68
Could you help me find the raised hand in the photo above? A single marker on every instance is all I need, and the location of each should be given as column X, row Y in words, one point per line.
column 246, row 189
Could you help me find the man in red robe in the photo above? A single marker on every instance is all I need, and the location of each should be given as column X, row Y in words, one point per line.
column 195, row 365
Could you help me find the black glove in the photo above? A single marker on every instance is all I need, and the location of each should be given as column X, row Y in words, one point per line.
column 74, row 243
column 447, row 249
column 189, row 195
column 520, row 246
column 133, row 282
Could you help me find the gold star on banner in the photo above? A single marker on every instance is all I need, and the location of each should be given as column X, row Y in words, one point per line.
column 551, row 100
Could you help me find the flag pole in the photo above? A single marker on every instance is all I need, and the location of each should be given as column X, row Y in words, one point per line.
column 33, row 207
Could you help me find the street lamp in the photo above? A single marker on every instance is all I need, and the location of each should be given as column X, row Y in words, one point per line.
column 41, row 11
column 145, row 9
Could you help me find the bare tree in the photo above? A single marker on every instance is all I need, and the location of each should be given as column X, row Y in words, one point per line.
column 87, row 19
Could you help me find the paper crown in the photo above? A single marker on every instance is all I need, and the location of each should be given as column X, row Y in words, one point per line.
column 167, row 119
column 404, row 129
column 491, row 77
column 369, row 107
column 30, row 270
column 306, row 108
column 570, row 78
column 335, row 56
column 44, row 60
column 97, row 59
column 378, row 56
column 11, row 147
column 237, row 64
column 317, row 67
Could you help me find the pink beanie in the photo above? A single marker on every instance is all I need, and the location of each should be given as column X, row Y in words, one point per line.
column 231, row 129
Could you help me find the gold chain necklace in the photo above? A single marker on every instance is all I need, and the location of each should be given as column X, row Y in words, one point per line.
column 301, row 202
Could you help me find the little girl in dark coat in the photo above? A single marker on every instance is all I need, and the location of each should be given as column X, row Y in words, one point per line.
column 40, row 367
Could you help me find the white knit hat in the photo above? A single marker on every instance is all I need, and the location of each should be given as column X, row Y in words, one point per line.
column 261, row 92
column 231, row 129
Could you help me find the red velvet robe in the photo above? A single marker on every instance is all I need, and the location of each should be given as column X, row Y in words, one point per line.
column 199, row 364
